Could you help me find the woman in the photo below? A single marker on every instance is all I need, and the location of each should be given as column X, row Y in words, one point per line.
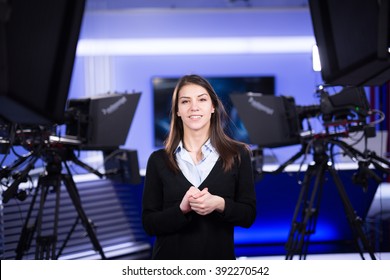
column 201, row 184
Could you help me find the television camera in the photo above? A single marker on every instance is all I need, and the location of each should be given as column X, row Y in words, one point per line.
column 341, row 115
column 88, row 121
column 34, row 87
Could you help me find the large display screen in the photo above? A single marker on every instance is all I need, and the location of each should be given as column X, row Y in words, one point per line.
column 163, row 88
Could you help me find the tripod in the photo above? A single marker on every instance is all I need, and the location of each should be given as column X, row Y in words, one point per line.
column 307, row 208
column 51, row 181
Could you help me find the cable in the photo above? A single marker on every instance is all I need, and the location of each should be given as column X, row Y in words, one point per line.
column 381, row 114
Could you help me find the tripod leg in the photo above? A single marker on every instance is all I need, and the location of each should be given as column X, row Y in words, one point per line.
column 72, row 190
column 41, row 243
column 28, row 231
column 313, row 208
column 46, row 244
column 353, row 220
column 68, row 237
column 56, row 219
column 300, row 231
column 296, row 225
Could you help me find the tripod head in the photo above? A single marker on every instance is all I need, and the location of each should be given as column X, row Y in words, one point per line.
column 342, row 115
column 38, row 141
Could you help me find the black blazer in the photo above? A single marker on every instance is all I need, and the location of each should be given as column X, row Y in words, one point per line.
column 192, row 236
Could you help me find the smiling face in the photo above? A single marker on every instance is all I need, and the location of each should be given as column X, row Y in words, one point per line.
column 195, row 108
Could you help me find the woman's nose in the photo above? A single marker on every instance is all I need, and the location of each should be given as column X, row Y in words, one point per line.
column 194, row 106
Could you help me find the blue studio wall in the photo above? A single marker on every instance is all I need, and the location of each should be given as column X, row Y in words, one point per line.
column 292, row 70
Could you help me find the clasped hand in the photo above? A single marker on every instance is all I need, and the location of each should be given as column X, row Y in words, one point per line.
column 201, row 201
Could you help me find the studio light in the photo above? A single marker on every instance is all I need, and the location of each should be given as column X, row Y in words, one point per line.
column 195, row 46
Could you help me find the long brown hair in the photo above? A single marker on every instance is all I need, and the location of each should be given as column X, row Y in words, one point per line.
column 227, row 148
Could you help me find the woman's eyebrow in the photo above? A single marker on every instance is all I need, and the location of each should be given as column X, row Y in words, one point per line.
column 190, row 97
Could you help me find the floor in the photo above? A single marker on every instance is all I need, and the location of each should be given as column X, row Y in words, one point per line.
column 346, row 256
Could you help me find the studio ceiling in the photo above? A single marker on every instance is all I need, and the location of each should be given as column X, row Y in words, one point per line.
column 192, row 4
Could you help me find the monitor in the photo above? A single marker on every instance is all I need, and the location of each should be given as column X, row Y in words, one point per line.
column 271, row 121
column 353, row 38
column 38, row 42
column 101, row 122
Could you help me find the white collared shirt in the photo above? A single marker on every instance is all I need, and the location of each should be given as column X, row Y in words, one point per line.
column 196, row 173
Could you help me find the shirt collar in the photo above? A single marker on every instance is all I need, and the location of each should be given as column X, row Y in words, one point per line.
column 206, row 147
column 179, row 147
